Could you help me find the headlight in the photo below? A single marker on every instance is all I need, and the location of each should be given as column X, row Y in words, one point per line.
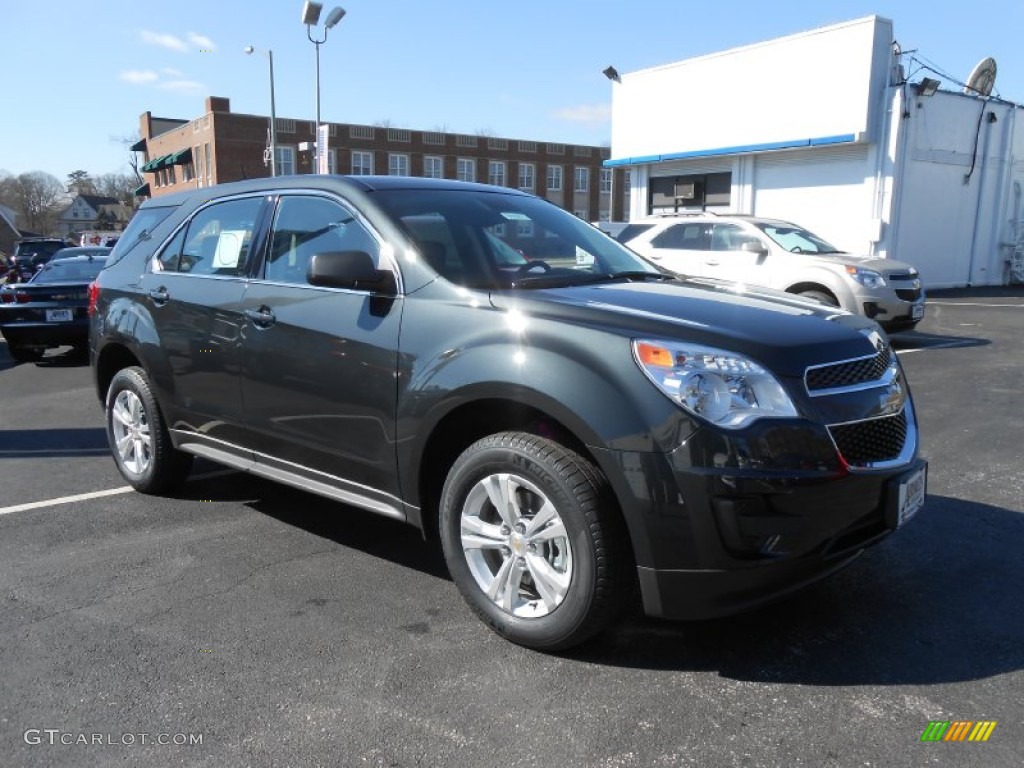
column 866, row 277
column 725, row 388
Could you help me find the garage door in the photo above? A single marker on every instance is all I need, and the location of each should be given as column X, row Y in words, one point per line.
column 828, row 191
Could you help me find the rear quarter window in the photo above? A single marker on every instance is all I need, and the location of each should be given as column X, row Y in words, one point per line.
column 140, row 229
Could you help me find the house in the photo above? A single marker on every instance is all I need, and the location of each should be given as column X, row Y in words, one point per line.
column 93, row 212
column 838, row 130
column 9, row 234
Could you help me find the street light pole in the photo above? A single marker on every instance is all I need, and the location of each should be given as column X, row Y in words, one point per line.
column 311, row 17
column 273, row 112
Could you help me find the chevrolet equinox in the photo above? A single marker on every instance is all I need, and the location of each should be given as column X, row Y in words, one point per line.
column 574, row 424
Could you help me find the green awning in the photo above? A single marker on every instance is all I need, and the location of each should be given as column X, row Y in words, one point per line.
column 141, row 191
column 155, row 163
column 139, row 146
column 181, row 157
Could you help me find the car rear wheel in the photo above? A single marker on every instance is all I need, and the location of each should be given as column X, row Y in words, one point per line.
column 534, row 540
column 138, row 437
column 23, row 354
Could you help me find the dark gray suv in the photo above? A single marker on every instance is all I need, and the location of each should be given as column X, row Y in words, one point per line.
column 569, row 420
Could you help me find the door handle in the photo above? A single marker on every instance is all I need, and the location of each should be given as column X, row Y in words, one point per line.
column 160, row 296
column 263, row 317
column 712, row 262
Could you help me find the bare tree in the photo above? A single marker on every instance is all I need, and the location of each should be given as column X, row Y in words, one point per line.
column 36, row 197
column 128, row 140
column 119, row 186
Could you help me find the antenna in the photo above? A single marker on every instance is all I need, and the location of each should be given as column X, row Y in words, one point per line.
column 982, row 78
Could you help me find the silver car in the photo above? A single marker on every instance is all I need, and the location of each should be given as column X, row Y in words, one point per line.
column 781, row 255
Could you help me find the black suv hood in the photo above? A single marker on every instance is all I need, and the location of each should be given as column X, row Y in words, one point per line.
column 779, row 330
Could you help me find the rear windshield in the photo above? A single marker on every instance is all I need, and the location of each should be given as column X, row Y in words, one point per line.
column 70, row 271
column 42, row 248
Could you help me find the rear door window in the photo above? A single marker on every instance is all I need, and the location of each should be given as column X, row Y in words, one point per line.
column 216, row 242
column 690, row 236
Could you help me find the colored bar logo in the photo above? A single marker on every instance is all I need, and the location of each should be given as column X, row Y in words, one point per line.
column 958, row 730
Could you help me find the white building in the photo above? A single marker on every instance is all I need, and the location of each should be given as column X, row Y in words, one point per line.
column 822, row 128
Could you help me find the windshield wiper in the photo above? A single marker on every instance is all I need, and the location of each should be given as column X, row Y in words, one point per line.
column 636, row 274
column 552, row 281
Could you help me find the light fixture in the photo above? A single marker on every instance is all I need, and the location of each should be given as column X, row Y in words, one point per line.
column 334, row 17
column 311, row 12
column 612, row 74
column 928, row 86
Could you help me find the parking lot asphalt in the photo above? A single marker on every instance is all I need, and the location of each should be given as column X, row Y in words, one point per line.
column 277, row 628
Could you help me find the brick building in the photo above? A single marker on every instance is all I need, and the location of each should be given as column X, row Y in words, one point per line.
column 222, row 146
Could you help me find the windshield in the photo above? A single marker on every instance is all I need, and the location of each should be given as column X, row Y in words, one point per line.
column 486, row 239
column 795, row 239
column 69, row 271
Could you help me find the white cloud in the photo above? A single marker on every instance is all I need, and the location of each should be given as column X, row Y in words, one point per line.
column 172, row 72
column 139, row 76
column 585, row 113
column 170, row 42
column 202, row 42
column 181, row 85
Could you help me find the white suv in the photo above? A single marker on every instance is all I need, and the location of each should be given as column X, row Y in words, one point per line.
column 781, row 255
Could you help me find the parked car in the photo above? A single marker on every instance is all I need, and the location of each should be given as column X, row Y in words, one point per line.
column 475, row 361
column 782, row 255
column 30, row 254
column 50, row 310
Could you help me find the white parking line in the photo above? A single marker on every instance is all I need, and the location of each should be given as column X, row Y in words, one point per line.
column 970, row 304
column 65, row 500
column 98, row 494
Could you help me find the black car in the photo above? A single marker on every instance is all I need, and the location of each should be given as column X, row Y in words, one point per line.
column 50, row 310
column 30, row 254
column 568, row 420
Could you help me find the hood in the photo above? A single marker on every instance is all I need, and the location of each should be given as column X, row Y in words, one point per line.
column 781, row 331
column 884, row 266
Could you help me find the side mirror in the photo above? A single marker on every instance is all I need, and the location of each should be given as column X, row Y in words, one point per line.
column 349, row 269
column 754, row 247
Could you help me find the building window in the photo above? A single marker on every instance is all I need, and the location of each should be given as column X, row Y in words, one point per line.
column 362, row 163
column 556, row 149
column 433, row 167
column 360, row 132
column 332, row 161
column 524, row 228
column 669, row 194
column 582, row 180
column 496, row 173
column 398, row 165
column 465, row 141
column 285, row 125
column 625, row 179
column 606, row 180
column 582, row 213
column 554, row 178
column 433, row 137
column 399, row 134
column 466, row 169
column 171, row 175
column 209, row 165
column 527, row 146
column 526, row 176
column 285, row 160
column 187, row 172
column 197, row 154
column 581, row 151
column 499, row 145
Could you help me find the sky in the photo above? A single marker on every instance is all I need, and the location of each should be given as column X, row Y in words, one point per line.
column 76, row 76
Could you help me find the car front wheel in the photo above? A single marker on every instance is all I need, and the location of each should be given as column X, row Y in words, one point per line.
column 138, row 436
column 534, row 540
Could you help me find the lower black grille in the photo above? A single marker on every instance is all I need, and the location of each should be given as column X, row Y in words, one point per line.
column 869, row 442
column 909, row 294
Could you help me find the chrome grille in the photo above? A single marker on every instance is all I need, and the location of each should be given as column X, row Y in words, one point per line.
column 849, row 372
column 869, row 442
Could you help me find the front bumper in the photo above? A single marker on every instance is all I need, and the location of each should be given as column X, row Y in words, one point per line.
column 894, row 308
column 714, row 536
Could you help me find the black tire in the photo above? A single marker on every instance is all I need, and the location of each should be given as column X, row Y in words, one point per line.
column 159, row 469
column 22, row 354
column 598, row 559
column 823, row 296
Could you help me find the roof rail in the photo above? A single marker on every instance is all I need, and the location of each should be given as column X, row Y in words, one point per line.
column 679, row 214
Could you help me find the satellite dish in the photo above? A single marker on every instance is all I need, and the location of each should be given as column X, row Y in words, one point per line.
column 982, row 78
